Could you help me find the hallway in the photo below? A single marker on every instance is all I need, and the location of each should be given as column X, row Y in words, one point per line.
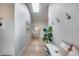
column 56, row 24
column 35, row 48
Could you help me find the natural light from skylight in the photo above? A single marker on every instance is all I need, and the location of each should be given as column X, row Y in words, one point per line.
column 35, row 7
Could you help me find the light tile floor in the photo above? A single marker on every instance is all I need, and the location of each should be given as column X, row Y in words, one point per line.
column 35, row 48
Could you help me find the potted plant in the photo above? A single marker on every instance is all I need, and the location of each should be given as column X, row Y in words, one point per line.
column 47, row 34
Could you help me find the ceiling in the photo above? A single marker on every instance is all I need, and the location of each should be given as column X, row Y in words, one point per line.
column 42, row 14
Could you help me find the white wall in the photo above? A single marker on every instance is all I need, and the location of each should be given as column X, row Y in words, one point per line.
column 65, row 30
column 7, row 33
column 22, row 36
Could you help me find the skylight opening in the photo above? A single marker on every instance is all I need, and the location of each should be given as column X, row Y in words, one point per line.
column 35, row 7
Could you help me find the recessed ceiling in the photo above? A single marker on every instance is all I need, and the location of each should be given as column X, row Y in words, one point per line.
column 43, row 12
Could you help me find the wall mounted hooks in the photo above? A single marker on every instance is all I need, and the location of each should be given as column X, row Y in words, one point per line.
column 52, row 23
column 68, row 16
column 57, row 20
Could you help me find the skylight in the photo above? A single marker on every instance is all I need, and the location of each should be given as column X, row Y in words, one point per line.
column 35, row 7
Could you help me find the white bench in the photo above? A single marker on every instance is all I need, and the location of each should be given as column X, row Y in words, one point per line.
column 53, row 49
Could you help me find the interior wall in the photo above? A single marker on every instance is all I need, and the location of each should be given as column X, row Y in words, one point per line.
column 66, row 30
column 7, row 29
column 22, row 29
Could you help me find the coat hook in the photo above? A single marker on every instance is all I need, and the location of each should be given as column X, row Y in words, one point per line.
column 57, row 20
column 52, row 23
column 68, row 16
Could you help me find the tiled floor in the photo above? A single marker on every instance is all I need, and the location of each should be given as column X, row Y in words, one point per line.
column 35, row 48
